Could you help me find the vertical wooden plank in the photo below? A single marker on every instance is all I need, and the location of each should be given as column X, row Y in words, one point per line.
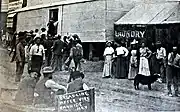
column 92, row 100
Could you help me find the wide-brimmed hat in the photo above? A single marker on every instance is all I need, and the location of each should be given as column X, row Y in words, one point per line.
column 108, row 42
column 158, row 43
column 174, row 48
column 75, row 36
column 43, row 29
column 77, row 74
column 48, row 70
column 37, row 37
column 134, row 42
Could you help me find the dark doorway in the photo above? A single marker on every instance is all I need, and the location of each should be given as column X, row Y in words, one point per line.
column 53, row 14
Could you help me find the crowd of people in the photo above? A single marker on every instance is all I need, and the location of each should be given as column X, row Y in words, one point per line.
column 43, row 54
column 40, row 50
column 122, row 62
column 44, row 49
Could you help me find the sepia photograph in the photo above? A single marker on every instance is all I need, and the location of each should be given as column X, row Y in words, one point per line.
column 89, row 55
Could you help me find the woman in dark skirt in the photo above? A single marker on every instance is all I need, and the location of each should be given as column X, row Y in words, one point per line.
column 37, row 56
column 121, row 70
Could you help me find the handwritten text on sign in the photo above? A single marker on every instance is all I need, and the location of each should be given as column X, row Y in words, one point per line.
column 75, row 102
column 129, row 33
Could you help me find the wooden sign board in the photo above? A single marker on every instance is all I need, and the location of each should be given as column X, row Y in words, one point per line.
column 130, row 34
column 81, row 101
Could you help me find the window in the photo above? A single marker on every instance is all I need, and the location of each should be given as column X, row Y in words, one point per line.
column 53, row 14
column 24, row 3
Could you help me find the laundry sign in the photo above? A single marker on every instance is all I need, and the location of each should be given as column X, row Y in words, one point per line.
column 130, row 34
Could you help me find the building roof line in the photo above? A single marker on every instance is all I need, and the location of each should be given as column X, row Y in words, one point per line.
column 68, row 2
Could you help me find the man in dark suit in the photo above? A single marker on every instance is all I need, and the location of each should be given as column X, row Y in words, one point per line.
column 48, row 53
column 20, row 57
column 57, row 54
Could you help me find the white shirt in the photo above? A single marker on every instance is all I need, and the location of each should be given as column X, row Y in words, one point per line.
column 161, row 53
column 26, row 51
column 34, row 50
column 108, row 50
column 53, row 85
column 122, row 51
column 36, row 35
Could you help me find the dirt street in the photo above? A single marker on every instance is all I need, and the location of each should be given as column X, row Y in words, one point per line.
column 112, row 95
column 118, row 95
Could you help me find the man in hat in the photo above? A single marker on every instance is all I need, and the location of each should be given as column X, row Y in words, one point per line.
column 47, row 86
column 51, row 28
column 172, row 71
column 57, row 54
column 37, row 56
column 161, row 57
column 20, row 57
column 48, row 43
column 77, row 84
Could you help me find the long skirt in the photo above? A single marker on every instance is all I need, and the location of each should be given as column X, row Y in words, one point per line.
column 133, row 70
column 107, row 66
column 121, row 67
column 153, row 64
column 144, row 66
column 36, row 63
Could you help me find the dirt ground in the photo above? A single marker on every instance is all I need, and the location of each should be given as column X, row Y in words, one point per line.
column 118, row 95
column 112, row 95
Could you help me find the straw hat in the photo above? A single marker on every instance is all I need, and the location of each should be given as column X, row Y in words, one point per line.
column 108, row 42
column 134, row 42
column 158, row 43
column 174, row 48
column 47, row 70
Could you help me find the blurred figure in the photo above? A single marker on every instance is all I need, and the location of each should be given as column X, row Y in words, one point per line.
column 133, row 66
column 37, row 56
column 48, row 53
column 145, row 54
column 25, row 92
column 121, row 53
column 153, row 61
column 43, row 34
column 51, row 28
column 172, row 72
column 76, row 54
column 20, row 57
column 36, row 33
column 57, row 54
column 161, row 58
column 108, row 55
column 13, row 46
column 77, row 83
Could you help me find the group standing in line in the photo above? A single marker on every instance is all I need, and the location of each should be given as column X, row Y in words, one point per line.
column 142, row 60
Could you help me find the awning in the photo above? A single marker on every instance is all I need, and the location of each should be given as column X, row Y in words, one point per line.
column 11, row 15
column 10, row 19
column 154, row 13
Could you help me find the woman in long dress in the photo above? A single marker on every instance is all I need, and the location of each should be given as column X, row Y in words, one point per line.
column 133, row 65
column 108, row 55
column 121, row 68
column 145, row 53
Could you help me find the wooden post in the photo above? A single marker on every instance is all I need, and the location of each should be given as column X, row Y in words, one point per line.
column 92, row 100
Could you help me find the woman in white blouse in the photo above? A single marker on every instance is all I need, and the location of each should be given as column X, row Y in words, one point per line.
column 121, row 68
column 108, row 55
column 37, row 56
column 145, row 54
